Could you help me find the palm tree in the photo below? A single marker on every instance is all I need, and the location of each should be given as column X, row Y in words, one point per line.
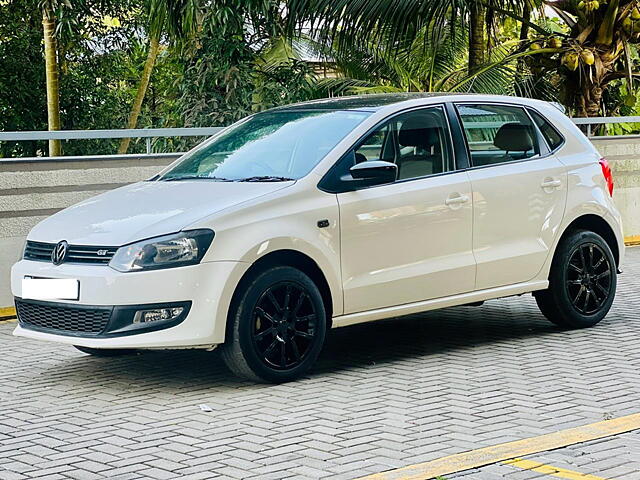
column 394, row 21
column 418, row 54
column 281, row 74
column 51, row 69
column 477, row 42
column 178, row 19
column 596, row 51
column 428, row 63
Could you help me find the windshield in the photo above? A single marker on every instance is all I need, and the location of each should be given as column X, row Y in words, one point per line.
column 270, row 146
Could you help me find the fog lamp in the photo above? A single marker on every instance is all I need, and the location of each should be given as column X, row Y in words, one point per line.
column 157, row 314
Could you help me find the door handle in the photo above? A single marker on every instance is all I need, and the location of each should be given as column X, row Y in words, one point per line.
column 551, row 183
column 456, row 200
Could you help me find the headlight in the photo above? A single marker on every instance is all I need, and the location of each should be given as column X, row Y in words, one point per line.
column 175, row 250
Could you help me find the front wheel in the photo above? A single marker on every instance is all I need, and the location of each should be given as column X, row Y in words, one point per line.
column 582, row 282
column 276, row 327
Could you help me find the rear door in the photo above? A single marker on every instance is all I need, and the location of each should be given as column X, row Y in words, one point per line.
column 519, row 193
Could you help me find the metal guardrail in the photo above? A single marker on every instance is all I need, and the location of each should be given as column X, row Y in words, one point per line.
column 589, row 121
column 148, row 133
column 151, row 133
column 84, row 158
column 603, row 120
column 120, row 133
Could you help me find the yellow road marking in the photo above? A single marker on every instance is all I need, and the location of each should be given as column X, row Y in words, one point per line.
column 510, row 450
column 7, row 312
column 550, row 470
column 632, row 240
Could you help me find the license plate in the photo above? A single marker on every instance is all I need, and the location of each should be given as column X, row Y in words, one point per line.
column 50, row 288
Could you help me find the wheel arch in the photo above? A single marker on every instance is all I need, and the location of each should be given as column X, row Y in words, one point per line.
column 289, row 258
column 596, row 224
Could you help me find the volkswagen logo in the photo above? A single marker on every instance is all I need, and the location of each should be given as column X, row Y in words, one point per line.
column 59, row 252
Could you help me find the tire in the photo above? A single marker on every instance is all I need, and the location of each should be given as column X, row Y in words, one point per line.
column 582, row 282
column 276, row 327
column 104, row 352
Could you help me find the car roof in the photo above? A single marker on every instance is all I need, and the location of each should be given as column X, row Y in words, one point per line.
column 375, row 102
column 368, row 102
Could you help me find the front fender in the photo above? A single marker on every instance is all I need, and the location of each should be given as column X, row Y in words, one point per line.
column 303, row 220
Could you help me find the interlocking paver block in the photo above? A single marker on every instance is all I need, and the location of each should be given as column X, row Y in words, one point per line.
column 386, row 394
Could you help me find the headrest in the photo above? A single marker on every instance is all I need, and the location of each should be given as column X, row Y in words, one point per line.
column 360, row 157
column 419, row 131
column 514, row 137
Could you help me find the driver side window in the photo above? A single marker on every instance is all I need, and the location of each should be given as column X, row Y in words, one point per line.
column 373, row 146
column 418, row 142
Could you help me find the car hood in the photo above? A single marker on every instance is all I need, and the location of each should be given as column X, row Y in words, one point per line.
column 144, row 210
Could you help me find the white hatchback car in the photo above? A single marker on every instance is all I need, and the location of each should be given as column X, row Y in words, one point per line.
column 326, row 214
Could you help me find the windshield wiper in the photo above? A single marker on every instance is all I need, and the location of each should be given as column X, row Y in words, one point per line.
column 265, row 178
column 194, row 177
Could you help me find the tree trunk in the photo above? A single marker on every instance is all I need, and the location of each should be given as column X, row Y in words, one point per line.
column 51, row 69
column 593, row 101
column 524, row 34
column 476, row 36
column 588, row 101
column 152, row 55
column 524, row 28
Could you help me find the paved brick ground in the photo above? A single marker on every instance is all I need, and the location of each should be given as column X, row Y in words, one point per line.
column 612, row 458
column 384, row 395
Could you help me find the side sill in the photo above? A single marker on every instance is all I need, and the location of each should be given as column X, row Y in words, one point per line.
column 436, row 303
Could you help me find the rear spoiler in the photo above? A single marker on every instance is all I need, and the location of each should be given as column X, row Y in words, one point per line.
column 559, row 106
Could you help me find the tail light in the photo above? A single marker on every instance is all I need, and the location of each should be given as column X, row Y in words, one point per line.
column 608, row 176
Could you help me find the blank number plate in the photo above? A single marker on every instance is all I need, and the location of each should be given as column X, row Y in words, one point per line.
column 50, row 288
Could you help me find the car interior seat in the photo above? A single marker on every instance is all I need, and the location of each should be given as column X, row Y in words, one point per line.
column 423, row 133
column 515, row 139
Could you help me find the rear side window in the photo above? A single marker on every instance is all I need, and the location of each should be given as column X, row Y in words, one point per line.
column 550, row 134
column 498, row 133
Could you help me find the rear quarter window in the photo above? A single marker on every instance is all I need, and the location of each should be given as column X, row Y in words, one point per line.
column 550, row 134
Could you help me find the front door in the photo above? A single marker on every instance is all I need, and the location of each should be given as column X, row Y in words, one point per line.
column 519, row 193
column 409, row 240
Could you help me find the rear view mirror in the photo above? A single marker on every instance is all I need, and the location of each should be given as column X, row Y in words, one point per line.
column 374, row 172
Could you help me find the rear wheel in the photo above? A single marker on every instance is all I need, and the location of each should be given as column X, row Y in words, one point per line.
column 104, row 352
column 582, row 282
column 276, row 327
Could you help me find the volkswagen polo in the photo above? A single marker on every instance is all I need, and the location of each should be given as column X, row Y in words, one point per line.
column 325, row 214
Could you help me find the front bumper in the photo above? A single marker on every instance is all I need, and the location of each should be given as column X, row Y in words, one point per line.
column 206, row 288
column 94, row 321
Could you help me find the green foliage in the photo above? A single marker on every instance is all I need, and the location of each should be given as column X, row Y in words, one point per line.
column 92, row 61
column 216, row 87
column 222, row 60
column 22, row 92
column 242, row 63
column 621, row 103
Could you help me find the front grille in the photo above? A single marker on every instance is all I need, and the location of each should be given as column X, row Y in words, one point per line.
column 38, row 251
column 41, row 252
column 63, row 318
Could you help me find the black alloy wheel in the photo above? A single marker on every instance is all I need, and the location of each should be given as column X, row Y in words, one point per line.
column 276, row 326
column 588, row 278
column 285, row 325
column 582, row 281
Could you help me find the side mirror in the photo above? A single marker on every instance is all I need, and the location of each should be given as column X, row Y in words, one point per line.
column 375, row 172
